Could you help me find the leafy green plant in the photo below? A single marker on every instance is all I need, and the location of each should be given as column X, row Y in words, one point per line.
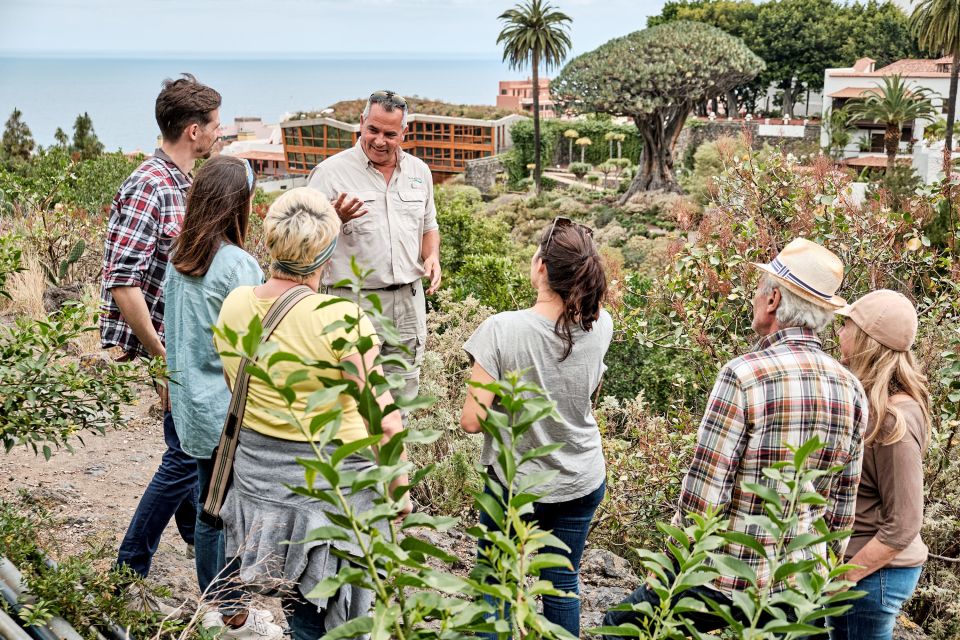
column 801, row 592
column 10, row 260
column 74, row 588
column 392, row 562
column 46, row 397
column 579, row 169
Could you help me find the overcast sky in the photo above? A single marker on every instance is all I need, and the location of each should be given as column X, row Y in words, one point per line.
column 290, row 27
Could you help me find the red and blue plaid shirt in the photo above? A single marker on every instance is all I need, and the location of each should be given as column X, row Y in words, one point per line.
column 147, row 214
column 783, row 393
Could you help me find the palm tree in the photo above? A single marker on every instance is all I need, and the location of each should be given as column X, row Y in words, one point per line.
column 895, row 104
column 533, row 32
column 936, row 25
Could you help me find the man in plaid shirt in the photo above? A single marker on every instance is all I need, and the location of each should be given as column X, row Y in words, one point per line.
column 146, row 216
column 783, row 393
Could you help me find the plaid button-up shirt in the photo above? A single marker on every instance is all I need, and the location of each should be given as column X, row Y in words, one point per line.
column 783, row 393
column 147, row 214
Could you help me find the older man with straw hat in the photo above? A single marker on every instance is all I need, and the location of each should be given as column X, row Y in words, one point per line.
column 784, row 392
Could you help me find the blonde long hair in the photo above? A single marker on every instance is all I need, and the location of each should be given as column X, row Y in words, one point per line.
column 884, row 372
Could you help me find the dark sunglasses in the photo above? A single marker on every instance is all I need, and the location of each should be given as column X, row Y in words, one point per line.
column 388, row 97
column 561, row 221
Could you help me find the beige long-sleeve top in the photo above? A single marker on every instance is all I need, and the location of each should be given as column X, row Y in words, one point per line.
column 890, row 497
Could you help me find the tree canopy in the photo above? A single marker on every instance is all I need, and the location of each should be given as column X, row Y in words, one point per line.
column 85, row 140
column 936, row 23
column 798, row 39
column 17, row 143
column 655, row 77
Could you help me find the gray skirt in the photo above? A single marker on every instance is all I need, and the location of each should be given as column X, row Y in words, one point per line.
column 264, row 520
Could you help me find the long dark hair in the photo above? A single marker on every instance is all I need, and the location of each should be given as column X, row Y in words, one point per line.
column 575, row 272
column 218, row 210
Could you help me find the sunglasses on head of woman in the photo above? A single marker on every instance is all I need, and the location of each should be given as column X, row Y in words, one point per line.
column 561, row 221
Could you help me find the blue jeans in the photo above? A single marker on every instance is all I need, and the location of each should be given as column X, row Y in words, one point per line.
column 873, row 616
column 304, row 619
column 216, row 580
column 172, row 493
column 570, row 522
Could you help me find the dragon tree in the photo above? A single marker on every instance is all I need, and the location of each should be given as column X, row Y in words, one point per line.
column 656, row 77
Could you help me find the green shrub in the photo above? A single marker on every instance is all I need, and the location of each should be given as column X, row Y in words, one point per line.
column 579, row 169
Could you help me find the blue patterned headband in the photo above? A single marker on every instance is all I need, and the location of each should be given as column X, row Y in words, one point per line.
column 305, row 270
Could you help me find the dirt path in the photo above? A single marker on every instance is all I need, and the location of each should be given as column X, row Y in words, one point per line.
column 95, row 490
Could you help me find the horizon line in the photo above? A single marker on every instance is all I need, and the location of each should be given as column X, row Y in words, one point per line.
column 248, row 55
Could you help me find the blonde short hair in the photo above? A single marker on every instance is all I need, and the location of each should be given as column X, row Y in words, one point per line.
column 299, row 225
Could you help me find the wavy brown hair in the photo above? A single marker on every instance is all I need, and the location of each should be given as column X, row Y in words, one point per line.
column 183, row 102
column 218, row 210
column 575, row 273
column 884, row 372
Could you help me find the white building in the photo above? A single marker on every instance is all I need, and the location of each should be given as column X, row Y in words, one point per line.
column 260, row 144
column 855, row 83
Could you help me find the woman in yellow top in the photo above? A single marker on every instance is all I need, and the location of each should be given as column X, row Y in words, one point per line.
column 260, row 513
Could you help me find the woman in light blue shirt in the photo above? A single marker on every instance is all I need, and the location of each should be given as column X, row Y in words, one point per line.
column 208, row 263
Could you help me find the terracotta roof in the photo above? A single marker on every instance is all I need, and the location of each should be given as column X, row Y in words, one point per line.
column 911, row 66
column 276, row 156
column 854, row 92
column 873, row 161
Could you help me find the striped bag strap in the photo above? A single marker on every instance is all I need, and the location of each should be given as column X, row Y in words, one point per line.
column 223, row 462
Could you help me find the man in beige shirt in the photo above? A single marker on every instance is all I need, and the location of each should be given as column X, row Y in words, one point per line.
column 384, row 197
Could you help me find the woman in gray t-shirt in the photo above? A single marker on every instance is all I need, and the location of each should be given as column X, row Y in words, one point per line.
column 560, row 343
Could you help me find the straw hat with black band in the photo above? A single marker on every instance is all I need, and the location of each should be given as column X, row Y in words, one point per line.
column 808, row 270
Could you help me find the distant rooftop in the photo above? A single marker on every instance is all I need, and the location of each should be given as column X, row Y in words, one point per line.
column 349, row 111
column 908, row 67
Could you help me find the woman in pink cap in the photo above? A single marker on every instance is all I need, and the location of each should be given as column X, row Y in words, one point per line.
column 875, row 344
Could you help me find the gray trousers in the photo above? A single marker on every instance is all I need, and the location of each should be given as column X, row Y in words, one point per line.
column 407, row 308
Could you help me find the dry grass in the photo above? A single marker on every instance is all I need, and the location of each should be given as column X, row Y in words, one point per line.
column 89, row 342
column 26, row 291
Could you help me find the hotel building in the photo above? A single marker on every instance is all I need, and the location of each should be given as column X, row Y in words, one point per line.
column 444, row 143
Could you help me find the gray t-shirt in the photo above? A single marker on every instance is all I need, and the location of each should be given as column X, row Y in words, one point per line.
column 518, row 340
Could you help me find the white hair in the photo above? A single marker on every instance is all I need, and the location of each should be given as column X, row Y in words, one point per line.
column 794, row 311
column 388, row 107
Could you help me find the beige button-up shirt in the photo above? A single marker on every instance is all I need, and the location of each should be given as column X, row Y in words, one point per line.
column 387, row 239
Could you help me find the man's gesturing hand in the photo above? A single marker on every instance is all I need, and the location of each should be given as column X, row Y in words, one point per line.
column 348, row 209
column 431, row 267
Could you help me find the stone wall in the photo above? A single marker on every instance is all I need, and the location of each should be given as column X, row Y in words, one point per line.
column 693, row 137
column 482, row 173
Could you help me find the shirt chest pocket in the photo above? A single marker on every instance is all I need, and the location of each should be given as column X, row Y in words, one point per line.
column 410, row 204
column 368, row 222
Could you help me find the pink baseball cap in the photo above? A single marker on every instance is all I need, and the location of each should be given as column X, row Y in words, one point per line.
column 886, row 316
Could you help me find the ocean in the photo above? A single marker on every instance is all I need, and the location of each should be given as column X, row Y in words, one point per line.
column 119, row 94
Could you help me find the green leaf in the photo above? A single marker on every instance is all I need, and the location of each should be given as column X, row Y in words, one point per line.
column 344, row 451
column 437, row 523
column 735, row 567
column 416, row 545
column 325, row 533
column 543, row 561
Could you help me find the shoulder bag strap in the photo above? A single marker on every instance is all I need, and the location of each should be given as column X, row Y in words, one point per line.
column 226, row 449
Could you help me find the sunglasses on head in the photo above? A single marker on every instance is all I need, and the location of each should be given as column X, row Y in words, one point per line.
column 249, row 170
column 388, row 97
column 561, row 221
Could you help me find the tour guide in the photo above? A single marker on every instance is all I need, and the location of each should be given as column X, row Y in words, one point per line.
column 384, row 198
